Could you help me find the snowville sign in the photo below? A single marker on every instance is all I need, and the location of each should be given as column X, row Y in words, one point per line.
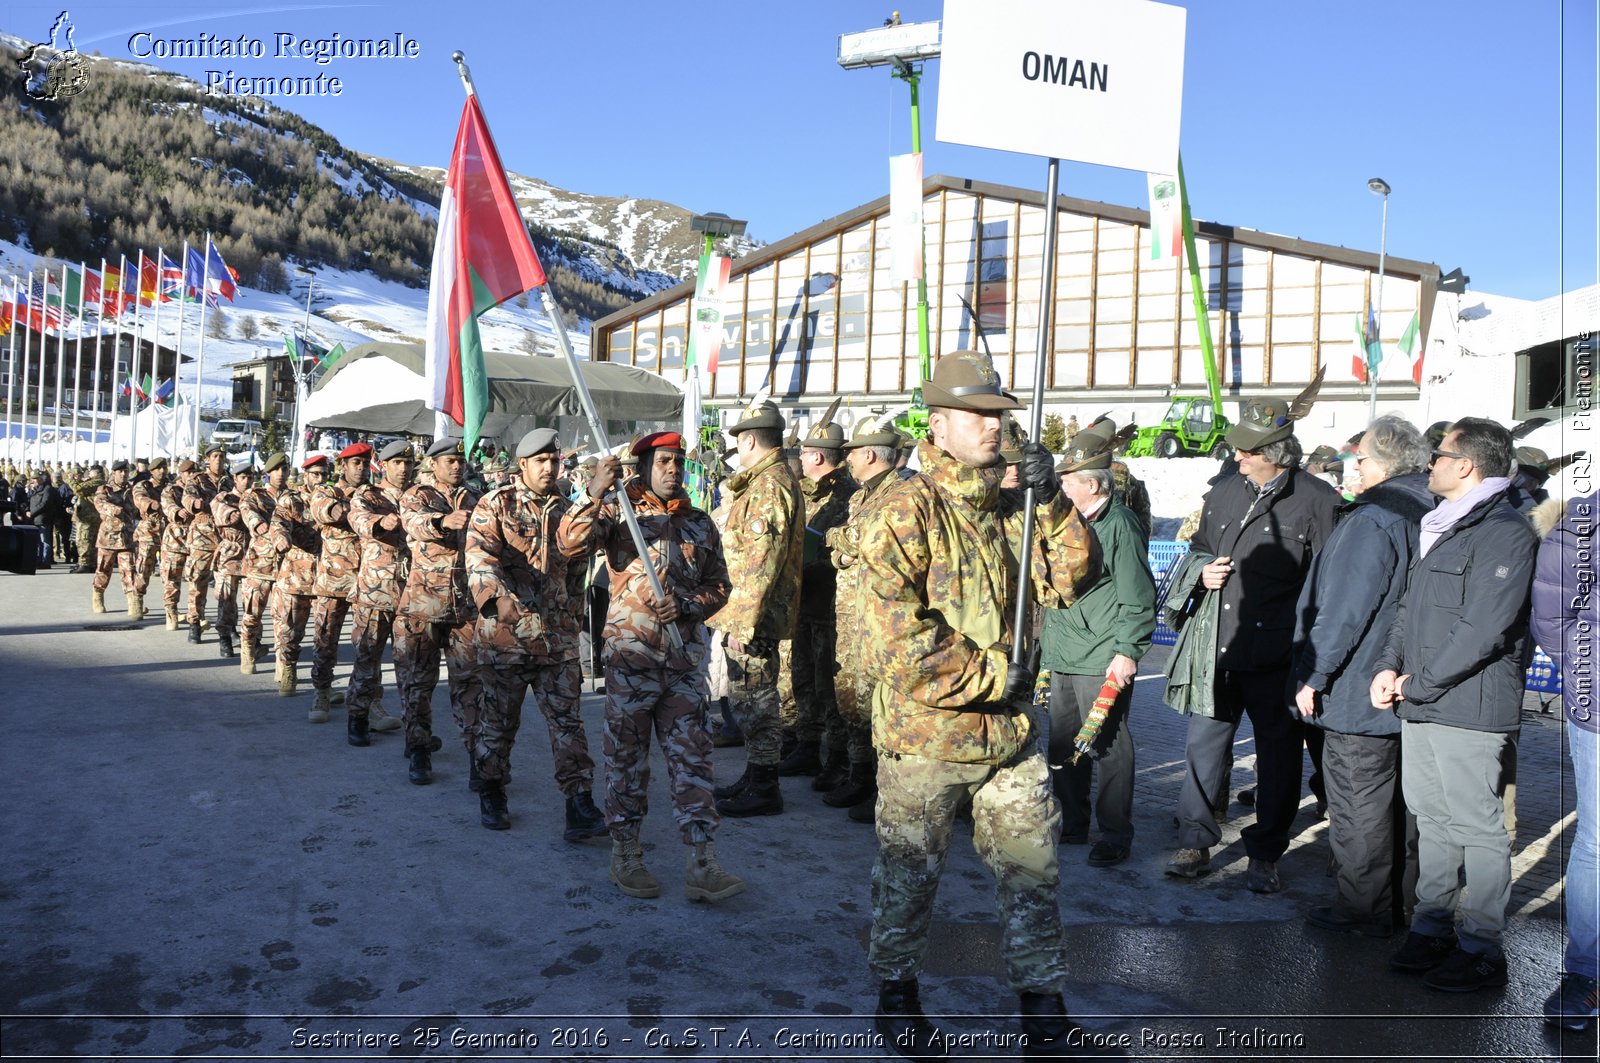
column 1089, row 80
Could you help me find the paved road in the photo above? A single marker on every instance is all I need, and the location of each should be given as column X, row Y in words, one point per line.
column 194, row 870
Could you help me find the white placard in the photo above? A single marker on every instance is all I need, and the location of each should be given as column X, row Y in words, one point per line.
column 1096, row 81
column 905, row 218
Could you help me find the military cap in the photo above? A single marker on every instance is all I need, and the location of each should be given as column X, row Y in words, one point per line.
column 159, row 463
column 501, row 462
column 1264, row 423
column 1090, row 449
column 319, row 459
column 445, row 445
column 120, row 465
column 966, row 380
column 397, row 449
column 275, row 461
column 538, row 441
column 1324, row 455
column 214, row 448
column 355, row 450
column 761, row 415
column 868, row 434
column 829, row 436
column 657, row 441
column 243, row 464
column 1011, row 445
column 186, row 465
column 1532, row 459
column 590, row 464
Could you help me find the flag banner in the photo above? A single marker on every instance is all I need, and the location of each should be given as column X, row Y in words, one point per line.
column 1369, row 351
column 148, row 389
column 172, row 281
column 705, row 337
column 82, row 288
column 329, row 358
column 164, row 392
column 1166, row 218
column 224, row 278
column 149, row 281
column 483, row 257
column 1411, row 346
column 905, row 218
column 7, row 313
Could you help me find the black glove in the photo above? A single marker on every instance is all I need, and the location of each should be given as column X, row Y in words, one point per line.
column 761, row 646
column 1038, row 471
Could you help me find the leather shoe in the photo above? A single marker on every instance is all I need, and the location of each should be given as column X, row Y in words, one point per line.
column 1261, row 876
column 1466, row 972
column 1107, row 854
column 1422, row 952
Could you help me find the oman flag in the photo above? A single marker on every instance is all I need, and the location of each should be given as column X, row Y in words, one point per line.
column 483, row 257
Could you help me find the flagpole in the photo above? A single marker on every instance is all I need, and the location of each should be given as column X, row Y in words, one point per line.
column 301, row 391
column 131, row 380
column 177, row 350
column 11, row 366
column 61, row 357
column 200, row 367
column 27, row 359
column 116, row 348
column 44, row 334
column 99, row 334
column 77, row 359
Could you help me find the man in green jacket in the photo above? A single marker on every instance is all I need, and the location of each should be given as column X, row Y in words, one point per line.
column 1096, row 640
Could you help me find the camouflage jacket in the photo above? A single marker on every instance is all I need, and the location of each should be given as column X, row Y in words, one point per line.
column 511, row 552
column 83, row 492
column 384, row 558
column 1132, row 492
column 118, row 518
column 436, row 589
column 340, row 559
column 764, row 544
column 827, row 504
column 261, row 560
column 844, row 552
column 686, row 551
column 295, row 537
column 233, row 537
column 939, row 568
column 202, row 527
column 152, row 519
column 175, row 525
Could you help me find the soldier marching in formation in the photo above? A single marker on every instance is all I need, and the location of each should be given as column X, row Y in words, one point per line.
column 259, row 570
column 298, row 545
column 375, row 518
column 329, row 506
column 197, row 496
column 113, row 501
column 152, row 526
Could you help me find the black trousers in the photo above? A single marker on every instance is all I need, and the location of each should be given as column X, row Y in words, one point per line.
column 1373, row 850
column 1071, row 698
column 1279, row 740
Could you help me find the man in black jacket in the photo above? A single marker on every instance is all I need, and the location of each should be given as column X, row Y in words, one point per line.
column 1453, row 671
column 1260, row 529
column 45, row 510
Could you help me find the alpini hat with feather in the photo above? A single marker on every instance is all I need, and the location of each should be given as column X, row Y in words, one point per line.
column 826, row 434
column 1094, row 446
column 759, row 415
column 1268, row 421
column 869, row 433
column 967, row 380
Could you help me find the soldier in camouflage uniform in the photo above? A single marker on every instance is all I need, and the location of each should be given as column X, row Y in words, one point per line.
column 297, row 541
column 652, row 685
column 764, row 545
column 375, row 517
column 87, row 518
column 950, row 713
column 233, row 540
column 1132, row 493
column 113, row 501
column 435, row 612
column 870, row 454
column 202, row 536
column 152, row 527
column 329, row 506
column 826, row 487
column 259, row 569
column 530, row 603
column 174, row 555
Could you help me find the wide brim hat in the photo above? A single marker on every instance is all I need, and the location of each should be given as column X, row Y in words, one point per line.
column 761, row 415
column 1324, row 455
column 1090, row 448
column 1265, row 423
column 966, row 380
column 868, row 434
column 1011, row 443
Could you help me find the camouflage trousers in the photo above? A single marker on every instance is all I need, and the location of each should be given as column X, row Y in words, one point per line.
column 172, row 580
column 555, row 686
column 671, row 704
column 788, row 711
column 144, row 565
column 1016, row 824
column 369, row 633
column 753, row 697
column 86, row 537
column 253, row 598
column 197, row 573
column 122, row 561
column 227, row 604
column 816, row 703
column 289, row 615
column 327, row 624
column 418, row 646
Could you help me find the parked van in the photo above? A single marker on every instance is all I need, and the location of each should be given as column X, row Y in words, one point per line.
column 237, row 434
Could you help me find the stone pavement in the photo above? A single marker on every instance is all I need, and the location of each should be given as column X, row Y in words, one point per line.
column 193, row 870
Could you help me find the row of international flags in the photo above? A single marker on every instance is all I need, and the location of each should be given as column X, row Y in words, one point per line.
column 47, row 305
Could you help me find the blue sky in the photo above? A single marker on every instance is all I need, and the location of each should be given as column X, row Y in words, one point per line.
column 1464, row 108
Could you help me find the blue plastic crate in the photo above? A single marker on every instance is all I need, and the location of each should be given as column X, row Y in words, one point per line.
column 1164, row 558
column 1543, row 675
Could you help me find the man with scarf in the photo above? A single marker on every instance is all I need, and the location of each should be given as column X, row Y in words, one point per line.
column 655, row 685
column 1453, row 671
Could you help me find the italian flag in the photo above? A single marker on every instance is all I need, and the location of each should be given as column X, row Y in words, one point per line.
column 483, row 257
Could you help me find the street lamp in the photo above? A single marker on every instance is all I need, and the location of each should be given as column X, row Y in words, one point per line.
column 715, row 225
column 1378, row 187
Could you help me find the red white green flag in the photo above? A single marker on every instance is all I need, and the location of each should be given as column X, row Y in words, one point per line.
column 482, row 258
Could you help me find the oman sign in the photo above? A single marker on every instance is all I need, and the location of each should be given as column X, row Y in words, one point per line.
column 1096, row 81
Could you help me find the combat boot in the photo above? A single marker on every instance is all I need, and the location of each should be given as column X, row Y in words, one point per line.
column 247, row 657
column 318, row 712
column 805, row 760
column 224, row 644
column 865, row 810
column 194, row 633
column 286, row 676
column 832, row 775
column 381, row 721
column 722, row 793
column 420, row 770
column 135, row 607
column 97, row 601
column 861, row 785
column 355, row 730
column 705, row 880
column 492, row 805
column 172, row 620
column 583, row 819
column 760, row 797
column 902, row 1024
column 628, row 870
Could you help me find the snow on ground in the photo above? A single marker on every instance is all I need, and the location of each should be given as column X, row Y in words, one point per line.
column 1176, row 485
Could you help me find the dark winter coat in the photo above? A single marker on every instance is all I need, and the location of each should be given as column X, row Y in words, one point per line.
column 1350, row 600
column 1117, row 613
column 44, row 505
column 1271, row 540
column 1461, row 631
column 1566, row 622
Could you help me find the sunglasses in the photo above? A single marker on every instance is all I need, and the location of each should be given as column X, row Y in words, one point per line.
column 1437, row 454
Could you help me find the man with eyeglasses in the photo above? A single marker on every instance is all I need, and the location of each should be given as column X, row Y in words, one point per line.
column 1453, row 671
